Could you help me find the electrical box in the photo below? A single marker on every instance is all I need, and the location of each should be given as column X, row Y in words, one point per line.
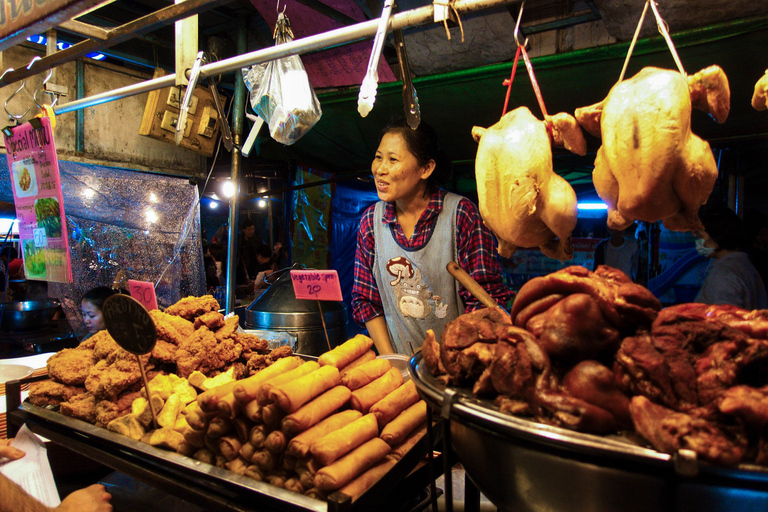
column 161, row 113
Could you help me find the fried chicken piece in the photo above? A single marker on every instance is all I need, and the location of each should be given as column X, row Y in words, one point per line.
column 71, row 365
column 280, row 352
column 205, row 353
column 164, row 352
column 50, row 392
column 104, row 345
column 81, row 407
column 228, row 330
column 213, row 320
column 258, row 362
column 106, row 381
column 192, row 307
column 89, row 342
column 170, row 328
column 251, row 343
column 108, row 410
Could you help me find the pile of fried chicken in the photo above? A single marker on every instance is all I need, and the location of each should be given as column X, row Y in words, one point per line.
column 98, row 380
column 594, row 352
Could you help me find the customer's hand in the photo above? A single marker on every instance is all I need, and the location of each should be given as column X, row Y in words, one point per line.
column 9, row 452
column 94, row 498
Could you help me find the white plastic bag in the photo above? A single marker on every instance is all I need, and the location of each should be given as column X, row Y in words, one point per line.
column 285, row 100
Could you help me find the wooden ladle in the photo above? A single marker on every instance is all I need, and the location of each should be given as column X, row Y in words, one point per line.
column 472, row 286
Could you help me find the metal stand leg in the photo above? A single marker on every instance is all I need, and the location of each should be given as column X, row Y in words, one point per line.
column 471, row 495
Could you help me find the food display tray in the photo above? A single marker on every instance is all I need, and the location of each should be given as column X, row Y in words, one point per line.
column 524, row 465
column 211, row 487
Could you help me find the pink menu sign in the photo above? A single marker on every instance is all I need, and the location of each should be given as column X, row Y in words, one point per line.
column 34, row 171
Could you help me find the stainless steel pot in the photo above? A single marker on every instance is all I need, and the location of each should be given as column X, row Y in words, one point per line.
column 278, row 309
column 26, row 316
column 522, row 465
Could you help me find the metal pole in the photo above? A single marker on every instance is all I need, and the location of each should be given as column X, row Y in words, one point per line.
column 238, row 116
column 341, row 36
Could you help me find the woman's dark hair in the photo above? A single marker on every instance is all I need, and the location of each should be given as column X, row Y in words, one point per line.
column 246, row 224
column 98, row 295
column 216, row 250
column 424, row 145
column 723, row 226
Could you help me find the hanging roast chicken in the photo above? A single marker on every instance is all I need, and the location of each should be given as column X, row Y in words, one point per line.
column 651, row 166
column 760, row 95
column 520, row 197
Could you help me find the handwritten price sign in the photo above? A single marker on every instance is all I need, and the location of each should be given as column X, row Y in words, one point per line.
column 143, row 292
column 316, row 284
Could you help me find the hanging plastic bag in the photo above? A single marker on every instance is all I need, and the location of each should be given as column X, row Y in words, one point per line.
column 285, row 99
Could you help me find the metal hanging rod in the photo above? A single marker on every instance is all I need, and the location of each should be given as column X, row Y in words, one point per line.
column 344, row 35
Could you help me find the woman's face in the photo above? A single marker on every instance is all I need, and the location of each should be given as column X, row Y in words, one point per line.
column 92, row 317
column 396, row 171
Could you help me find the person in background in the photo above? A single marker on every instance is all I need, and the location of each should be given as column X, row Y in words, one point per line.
column 620, row 251
column 211, row 271
column 248, row 246
column 731, row 278
column 13, row 498
column 90, row 307
column 401, row 285
column 757, row 233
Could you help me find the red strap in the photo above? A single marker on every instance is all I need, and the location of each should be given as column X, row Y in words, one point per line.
column 534, row 83
column 508, row 83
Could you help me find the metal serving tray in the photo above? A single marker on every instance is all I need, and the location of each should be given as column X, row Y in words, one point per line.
column 207, row 485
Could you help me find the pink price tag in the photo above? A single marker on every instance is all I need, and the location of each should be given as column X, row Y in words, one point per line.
column 316, row 284
column 144, row 292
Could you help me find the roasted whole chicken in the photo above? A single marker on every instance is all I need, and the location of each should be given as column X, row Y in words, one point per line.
column 520, row 197
column 650, row 166
column 760, row 95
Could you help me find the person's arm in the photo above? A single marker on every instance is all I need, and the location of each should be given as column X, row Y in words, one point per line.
column 377, row 330
column 477, row 256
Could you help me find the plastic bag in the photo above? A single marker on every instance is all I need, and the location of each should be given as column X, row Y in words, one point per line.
column 285, row 100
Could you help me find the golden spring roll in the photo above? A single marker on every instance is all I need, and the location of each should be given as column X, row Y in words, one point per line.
column 346, row 352
column 299, row 445
column 362, row 399
column 275, row 442
column 292, row 395
column 258, row 436
column 315, row 410
column 368, row 355
column 271, row 416
column 246, row 389
column 228, row 406
column 394, row 403
column 362, row 483
column 345, row 469
column 263, row 394
column 399, row 450
column 406, row 422
column 252, row 411
column 365, row 373
column 333, row 445
column 209, row 400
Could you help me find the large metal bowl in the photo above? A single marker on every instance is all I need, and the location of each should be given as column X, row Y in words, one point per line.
column 26, row 316
column 522, row 465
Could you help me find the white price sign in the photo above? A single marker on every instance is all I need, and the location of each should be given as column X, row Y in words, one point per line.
column 40, row 239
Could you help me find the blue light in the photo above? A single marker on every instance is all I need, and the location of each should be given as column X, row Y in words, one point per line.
column 592, row 206
column 61, row 45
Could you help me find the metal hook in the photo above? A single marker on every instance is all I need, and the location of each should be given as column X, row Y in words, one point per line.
column 54, row 97
column 517, row 26
column 17, row 91
column 277, row 8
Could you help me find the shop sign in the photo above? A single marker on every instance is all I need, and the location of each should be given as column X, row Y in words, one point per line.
column 36, row 185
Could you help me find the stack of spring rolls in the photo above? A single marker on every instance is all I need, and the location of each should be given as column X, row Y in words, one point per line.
column 313, row 427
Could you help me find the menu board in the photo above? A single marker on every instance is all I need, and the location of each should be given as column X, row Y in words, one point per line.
column 34, row 172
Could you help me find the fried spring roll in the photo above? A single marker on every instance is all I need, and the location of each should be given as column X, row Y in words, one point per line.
column 252, row 411
column 255, row 472
column 246, row 451
column 294, row 484
column 275, row 442
column 306, row 477
column 394, row 403
column 228, row 406
column 396, row 430
column 350, row 465
column 365, row 373
column 237, row 466
column 246, row 389
column 292, row 395
column 368, row 355
column 299, row 445
column 209, row 400
column 258, row 436
column 229, row 446
column 399, row 450
column 333, row 445
column 347, row 352
column 362, row 483
column 271, row 416
column 263, row 394
column 312, row 412
column 266, row 460
column 362, row 399
column 219, row 426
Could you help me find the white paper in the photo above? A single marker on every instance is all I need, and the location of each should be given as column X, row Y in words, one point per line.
column 32, row 472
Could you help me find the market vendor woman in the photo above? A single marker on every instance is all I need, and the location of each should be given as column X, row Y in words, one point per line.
column 402, row 287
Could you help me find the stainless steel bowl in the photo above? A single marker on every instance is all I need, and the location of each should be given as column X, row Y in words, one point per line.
column 26, row 316
column 522, row 465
